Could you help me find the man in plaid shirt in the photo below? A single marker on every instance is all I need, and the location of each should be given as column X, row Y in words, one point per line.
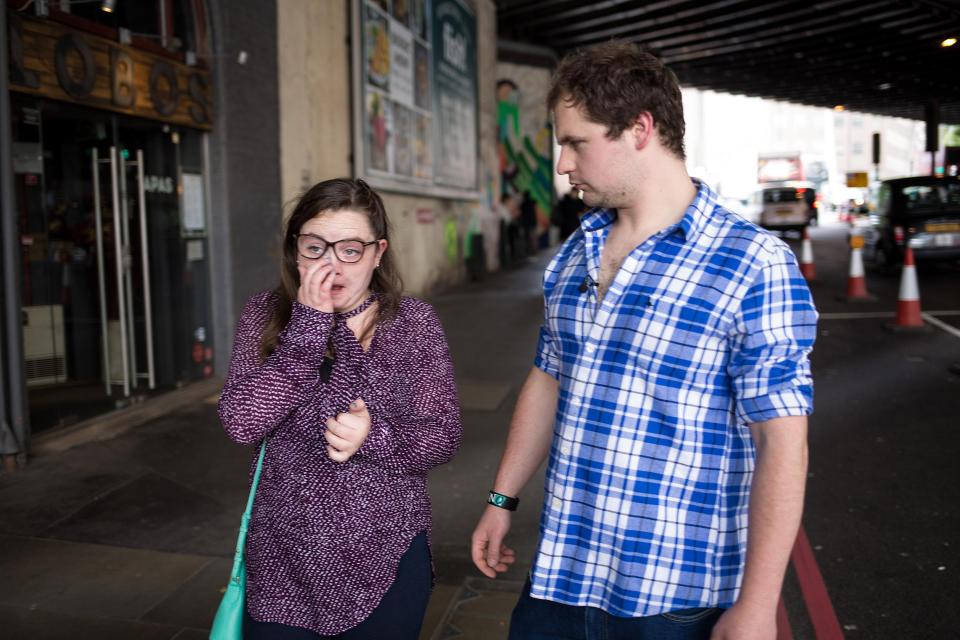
column 670, row 390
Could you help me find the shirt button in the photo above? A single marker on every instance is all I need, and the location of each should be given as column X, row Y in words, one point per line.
column 576, row 401
column 556, row 503
column 565, row 449
column 591, row 348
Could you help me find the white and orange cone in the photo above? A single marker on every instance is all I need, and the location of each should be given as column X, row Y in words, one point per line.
column 908, row 302
column 807, row 267
column 857, row 281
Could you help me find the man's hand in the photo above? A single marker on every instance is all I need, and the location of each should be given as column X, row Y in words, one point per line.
column 489, row 553
column 347, row 432
column 740, row 623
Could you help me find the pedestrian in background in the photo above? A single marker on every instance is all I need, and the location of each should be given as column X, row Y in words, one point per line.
column 511, row 235
column 670, row 389
column 352, row 387
column 566, row 214
column 528, row 222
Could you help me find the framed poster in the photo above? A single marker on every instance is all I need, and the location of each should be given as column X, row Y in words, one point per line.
column 415, row 96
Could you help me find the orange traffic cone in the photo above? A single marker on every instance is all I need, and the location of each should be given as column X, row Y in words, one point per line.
column 857, row 281
column 807, row 268
column 908, row 302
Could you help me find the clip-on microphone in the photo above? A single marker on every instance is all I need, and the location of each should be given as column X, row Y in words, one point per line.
column 586, row 284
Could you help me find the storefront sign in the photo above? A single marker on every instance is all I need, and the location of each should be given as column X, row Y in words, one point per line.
column 50, row 60
column 158, row 184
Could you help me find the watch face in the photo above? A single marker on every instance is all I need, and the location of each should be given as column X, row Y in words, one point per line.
column 502, row 501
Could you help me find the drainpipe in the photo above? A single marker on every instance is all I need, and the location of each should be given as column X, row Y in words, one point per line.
column 14, row 430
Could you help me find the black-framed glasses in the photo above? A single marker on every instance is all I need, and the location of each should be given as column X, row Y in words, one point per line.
column 312, row 247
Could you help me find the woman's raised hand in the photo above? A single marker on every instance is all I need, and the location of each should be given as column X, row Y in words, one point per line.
column 316, row 282
column 347, row 432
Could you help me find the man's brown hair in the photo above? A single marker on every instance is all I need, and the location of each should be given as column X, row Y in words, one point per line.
column 615, row 82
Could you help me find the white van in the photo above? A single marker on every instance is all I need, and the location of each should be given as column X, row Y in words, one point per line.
column 783, row 206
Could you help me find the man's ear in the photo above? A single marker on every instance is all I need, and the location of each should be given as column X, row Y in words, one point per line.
column 642, row 130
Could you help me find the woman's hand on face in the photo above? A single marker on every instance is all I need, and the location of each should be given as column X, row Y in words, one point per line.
column 316, row 282
column 347, row 432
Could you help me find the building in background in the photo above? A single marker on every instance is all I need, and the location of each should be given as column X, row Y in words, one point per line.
column 152, row 151
column 727, row 136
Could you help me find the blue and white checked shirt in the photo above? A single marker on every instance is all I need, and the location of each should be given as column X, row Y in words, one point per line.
column 705, row 329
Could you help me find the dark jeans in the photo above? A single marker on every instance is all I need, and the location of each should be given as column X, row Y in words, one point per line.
column 535, row 619
column 399, row 615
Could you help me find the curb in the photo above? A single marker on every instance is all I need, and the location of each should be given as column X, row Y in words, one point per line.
column 115, row 423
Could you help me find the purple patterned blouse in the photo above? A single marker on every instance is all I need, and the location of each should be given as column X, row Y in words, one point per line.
column 326, row 538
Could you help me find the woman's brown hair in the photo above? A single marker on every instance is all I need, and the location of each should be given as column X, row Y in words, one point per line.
column 338, row 194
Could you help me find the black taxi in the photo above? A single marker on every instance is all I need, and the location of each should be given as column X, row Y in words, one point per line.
column 922, row 212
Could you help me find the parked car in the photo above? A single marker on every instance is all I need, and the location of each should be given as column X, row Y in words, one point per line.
column 784, row 206
column 922, row 211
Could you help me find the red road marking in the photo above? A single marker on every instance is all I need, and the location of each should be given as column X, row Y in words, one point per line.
column 783, row 623
column 819, row 608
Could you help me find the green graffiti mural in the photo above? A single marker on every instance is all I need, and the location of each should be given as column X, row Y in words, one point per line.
column 524, row 166
column 451, row 240
column 951, row 137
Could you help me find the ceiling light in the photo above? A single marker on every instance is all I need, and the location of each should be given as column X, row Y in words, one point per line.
column 839, row 107
column 108, row 5
column 949, row 42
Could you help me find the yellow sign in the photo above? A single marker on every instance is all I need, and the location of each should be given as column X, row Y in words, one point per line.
column 856, row 242
column 857, row 179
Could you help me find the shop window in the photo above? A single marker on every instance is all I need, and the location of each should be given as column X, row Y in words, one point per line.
column 162, row 25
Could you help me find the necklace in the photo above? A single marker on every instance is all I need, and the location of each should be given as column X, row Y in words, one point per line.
column 363, row 306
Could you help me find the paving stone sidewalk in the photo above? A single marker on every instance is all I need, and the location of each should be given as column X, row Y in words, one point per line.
column 124, row 528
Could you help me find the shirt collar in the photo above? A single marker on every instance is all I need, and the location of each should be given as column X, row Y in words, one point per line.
column 694, row 219
column 698, row 213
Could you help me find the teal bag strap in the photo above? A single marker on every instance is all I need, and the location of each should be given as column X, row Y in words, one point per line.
column 228, row 621
column 238, row 565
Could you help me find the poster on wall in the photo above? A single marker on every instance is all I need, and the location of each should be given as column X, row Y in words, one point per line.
column 455, row 93
column 377, row 49
column 416, row 120
column 379, row 127
column 194, row 218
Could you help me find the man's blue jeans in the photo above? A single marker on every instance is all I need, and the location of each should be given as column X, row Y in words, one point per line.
column 535, row 619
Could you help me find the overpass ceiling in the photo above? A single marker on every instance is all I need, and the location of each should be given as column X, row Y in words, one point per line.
column 877, row 56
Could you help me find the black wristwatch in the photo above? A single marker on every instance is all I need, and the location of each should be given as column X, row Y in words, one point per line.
column 502, row 501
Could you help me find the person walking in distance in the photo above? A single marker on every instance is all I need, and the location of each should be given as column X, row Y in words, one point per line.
column 670, row 389
column 352, row 386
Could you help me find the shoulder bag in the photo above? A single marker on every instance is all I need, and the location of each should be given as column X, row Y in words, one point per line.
column 228, row 623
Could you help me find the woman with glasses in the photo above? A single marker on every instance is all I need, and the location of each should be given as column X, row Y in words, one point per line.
column 352, row 387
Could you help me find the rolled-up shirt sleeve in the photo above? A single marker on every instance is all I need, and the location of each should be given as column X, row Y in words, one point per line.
column 547, row 359
column 775, row 330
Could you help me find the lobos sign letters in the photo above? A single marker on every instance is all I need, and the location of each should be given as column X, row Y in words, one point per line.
column 50, row 60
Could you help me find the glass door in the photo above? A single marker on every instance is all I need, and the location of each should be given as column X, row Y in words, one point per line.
column 59, row 260
column 114, row 284
column 123, row 268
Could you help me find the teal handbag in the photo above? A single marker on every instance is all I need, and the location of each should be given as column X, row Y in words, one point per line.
column 228, row 623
